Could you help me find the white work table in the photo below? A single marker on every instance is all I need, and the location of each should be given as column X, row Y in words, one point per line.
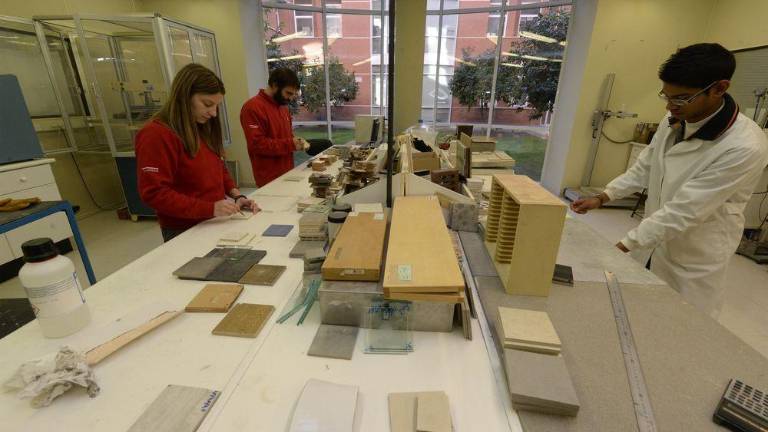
column 260, row 379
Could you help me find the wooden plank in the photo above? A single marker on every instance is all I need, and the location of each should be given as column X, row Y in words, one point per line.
column 420, row 255
column 244, row 320
column 214, row 298
column 356, row 253
column 176, row 409
column 106, row 349
column 435, row 297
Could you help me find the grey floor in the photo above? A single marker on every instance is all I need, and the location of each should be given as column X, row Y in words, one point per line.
column 113, row 243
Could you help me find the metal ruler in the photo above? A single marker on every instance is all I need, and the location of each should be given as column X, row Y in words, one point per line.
column 640, row 399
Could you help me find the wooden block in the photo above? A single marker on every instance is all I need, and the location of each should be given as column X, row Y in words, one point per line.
column 483, row 144
column 176, row 409
column 261, row 274
column 357, row 251
column 99, row 353
column 524, row 236
column 433, row 413
column 214, row 298
column 424, row 161
column 402, row 412
column 420, row 255
column 318, row 165
column 527, row 327
column 244, row 320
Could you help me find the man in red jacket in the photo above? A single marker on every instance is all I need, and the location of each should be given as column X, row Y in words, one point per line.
column 266, row 124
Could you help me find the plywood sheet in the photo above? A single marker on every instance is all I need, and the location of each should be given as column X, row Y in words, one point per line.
column 198, row 268
column 334, row 341
column 244, row 320
column 176, row 409
column 262, row 274
column 215, row 298
column 420, row 255
column 357, row 251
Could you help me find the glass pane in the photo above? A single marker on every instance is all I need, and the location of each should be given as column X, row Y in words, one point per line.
column 24, row 59
column 532, row 55
column 203, row 51
column 301, row 51
column 181, row 49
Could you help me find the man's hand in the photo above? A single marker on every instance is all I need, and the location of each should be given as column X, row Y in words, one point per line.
column 300, row 144
column 621, row 247
column 248, row 204
column 225, row 207
column 583, row 205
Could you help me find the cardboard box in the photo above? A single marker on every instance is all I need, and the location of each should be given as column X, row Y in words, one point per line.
column 426, row 161
column 357, row 251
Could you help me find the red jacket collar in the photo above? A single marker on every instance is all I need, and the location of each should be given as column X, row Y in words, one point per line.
column 267, row 97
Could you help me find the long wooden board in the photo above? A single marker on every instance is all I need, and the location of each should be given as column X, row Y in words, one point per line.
column 106, row 349
column 357, row 250
column 420, row 255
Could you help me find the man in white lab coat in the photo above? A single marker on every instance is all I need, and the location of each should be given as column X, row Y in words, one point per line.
column 700, row 169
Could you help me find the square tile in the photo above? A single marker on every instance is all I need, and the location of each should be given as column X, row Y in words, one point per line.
column 334, row 342
column 261, row 274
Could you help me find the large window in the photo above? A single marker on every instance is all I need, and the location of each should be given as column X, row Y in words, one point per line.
column 339, row 63
column 495, row 65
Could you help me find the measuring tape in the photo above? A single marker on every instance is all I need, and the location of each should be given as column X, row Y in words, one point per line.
column 640, row 399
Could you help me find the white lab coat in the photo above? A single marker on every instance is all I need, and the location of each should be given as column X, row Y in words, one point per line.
column 697, row 191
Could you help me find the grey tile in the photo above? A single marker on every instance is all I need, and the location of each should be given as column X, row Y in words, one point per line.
column 480, row 262
column 303, row 246
column 334, row 342
column 198, row 268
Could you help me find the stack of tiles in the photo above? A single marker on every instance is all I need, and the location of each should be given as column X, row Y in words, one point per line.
column 313, row 260
column 540, row 383
column 312, row 226
column 304, row 203
column 321, row 183
column 475, row 186
column 528, row 330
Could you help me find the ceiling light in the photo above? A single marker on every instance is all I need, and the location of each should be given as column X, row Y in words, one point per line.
column 530, row 57
column 512, row 65
column 289, row 37
column 538, row 37
column 274, row 59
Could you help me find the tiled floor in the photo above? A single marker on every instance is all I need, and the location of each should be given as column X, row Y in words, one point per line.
column 113, row 243
column 746, row 297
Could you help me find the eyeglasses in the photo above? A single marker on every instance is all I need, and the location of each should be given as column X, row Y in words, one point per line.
column 683, row 102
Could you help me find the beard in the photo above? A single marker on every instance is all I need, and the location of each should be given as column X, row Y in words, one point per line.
column 279, row 97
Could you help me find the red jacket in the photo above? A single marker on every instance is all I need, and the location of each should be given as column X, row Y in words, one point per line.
column 182, row 189
column 269, row 135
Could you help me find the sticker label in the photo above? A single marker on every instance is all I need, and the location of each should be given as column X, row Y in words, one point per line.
column 350, row 271
column 57, row 298
column 404, row 272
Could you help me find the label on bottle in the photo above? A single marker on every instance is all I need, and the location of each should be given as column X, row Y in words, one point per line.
column 57, row 298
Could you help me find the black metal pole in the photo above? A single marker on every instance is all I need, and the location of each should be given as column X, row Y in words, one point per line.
column 390, row 101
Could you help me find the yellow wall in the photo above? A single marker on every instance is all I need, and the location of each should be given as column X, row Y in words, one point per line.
column 223, row 18
column 409, row 61
column 631, row 39
column 99, row 170
column 738, row 24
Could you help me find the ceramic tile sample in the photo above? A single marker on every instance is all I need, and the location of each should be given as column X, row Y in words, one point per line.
column 277, row 231
column 177, row 409
column 233, row 236
column 214, row 298
column 464, row 217
column 334, row 342
column 228, row 253
column 231, row 270
column 528, row 327
column 402, row 412
column 325, row 407
column 433, row 414
column 302, row 246
column 243, row 215
column 198, row 268
column 539, row 382
column 261, row 274
column 244, row 320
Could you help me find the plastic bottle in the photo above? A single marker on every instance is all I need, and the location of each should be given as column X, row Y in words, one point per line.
column 53, row 289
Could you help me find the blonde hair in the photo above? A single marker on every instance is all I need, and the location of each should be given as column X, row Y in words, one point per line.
column 177, row 110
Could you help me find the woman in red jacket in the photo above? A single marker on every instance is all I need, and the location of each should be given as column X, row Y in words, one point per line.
column 179, row 155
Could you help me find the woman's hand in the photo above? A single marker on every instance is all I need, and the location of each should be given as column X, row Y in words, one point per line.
column 225, row 207
column 248, row 204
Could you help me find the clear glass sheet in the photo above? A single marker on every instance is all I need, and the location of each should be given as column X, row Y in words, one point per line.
column 388, row 330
